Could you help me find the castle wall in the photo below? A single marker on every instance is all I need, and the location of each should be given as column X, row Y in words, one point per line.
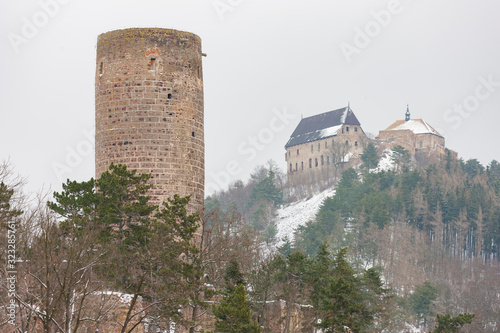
column 149, row 109
column 425, row 143
column 313, row 160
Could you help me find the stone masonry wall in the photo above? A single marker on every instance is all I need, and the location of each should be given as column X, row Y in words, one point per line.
column 319, row 153
column 149, row 109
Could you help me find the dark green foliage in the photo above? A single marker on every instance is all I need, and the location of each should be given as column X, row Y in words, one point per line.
column 422, row 299
column 401, row 158
column 448, row 324
column 370, row 157
column 343, row 297
column 234, row 314
column 473, row 168
column 6, row 212
column 233, row 277
column 145, row 246
column 266, row 190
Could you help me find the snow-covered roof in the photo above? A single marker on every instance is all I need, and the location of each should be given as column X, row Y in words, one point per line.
column 322, row 126
column 417, row 126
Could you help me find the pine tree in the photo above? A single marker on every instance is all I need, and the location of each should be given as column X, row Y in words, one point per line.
column 370, row 157
column 447, row 324
column 234, row 314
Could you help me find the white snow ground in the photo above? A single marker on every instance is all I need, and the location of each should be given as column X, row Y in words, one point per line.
column 289, row 218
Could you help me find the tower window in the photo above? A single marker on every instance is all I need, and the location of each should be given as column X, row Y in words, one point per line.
column 316, row 162
column 192, row 134
column 302, row 165
column 310, row 163
column 101, row 68
column 312, row 148
column 322, row 160
column 152, row 64
column 319, row 146
column 169, row 96
column 347, row 128
column 291, row 167
column 297, row 152
column 356, row 143
column 296, row 166
column 355, row 129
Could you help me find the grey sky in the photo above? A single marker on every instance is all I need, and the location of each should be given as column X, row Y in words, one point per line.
column 267, row 60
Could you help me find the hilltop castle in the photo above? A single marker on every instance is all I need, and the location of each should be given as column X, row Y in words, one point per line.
column 324, row 141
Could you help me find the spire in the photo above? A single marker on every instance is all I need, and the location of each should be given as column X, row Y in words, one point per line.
column 407, row 115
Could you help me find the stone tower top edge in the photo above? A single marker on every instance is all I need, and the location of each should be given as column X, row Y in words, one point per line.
column 163, row 33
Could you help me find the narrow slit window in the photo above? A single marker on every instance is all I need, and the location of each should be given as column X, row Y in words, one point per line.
column 192, row 134
column 101, row 68
column 152, row 64
column 169, row 96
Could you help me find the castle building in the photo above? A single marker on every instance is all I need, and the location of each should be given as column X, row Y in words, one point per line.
column 149, row 109
column 312, row 148
column 415, row 135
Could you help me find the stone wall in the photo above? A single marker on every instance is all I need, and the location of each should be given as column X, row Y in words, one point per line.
column 149, row 109
column 312, row 161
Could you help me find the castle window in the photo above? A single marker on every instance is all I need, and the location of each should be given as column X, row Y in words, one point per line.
column 296, row 166
column 192, row 134
column 347, row 128
column 326, row 144
column 312, row 148
column 310, row 163
column 152, row 64
column 347, row 143
column 322, row 160
column 342, row 130
column 169, row 96
column 356, row 143
column 421, row 144
column 333, row 142
column 289, row 154
column 328, row 159
column 319, row 146
column 101, row 68
column 291, row 169
column 297, row 152
column 316, row 162
column 355, row 129
column 302, row 165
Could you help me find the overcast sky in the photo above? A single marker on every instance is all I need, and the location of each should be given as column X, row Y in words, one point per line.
column 268, row 63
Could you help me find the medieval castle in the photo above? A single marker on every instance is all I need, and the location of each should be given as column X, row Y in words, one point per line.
column 336, row 137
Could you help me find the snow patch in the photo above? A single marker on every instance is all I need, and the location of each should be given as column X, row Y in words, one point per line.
column 330, row 131
column 386, row 162
column 297, row 214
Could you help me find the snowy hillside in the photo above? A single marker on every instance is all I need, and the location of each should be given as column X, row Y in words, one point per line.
column 289, row 218
column 296, row 214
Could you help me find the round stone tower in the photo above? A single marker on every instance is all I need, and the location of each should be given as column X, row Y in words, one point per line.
column 149, row 109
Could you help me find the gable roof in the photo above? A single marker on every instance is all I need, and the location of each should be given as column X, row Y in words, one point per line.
column 322, row 126
column 418, row 126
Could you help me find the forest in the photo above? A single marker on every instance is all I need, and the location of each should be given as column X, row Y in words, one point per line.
column 411, row 249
